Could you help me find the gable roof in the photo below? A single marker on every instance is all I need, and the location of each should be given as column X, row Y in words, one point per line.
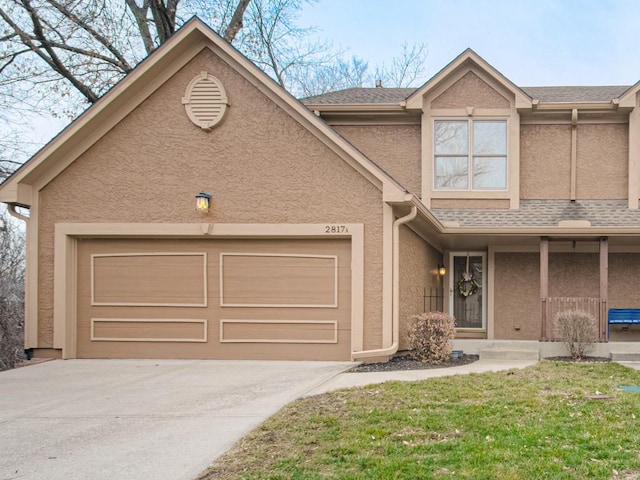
column 148, row 76
column 463, row 62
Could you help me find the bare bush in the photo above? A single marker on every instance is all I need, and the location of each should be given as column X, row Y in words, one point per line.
column 430, row 336
column 11, row 293
column 578, row 331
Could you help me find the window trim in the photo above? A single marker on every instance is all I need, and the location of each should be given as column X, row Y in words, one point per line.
column 470, row 156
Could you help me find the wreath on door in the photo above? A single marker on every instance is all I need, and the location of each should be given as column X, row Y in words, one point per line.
column 467, row 285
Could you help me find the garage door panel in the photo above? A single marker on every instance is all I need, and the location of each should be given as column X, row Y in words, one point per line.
column 278, row 331
column 149, row 279
column 148, row 330
column 278, row 280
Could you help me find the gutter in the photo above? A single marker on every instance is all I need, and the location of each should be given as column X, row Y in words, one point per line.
column 395, row 316
column 11, row 208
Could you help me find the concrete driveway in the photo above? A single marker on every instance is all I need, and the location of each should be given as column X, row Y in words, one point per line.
column 142, row 419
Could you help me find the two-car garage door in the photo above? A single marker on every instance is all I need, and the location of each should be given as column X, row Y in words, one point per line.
column 212, row 298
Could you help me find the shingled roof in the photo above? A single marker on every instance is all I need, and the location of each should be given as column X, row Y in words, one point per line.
column 361, row 95
column 396, row 95
column 576, row 94
column 545, row 213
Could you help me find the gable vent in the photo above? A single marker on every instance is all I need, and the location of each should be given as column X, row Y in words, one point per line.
column 205, row 101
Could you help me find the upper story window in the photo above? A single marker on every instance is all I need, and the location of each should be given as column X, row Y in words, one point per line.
column 470, row 154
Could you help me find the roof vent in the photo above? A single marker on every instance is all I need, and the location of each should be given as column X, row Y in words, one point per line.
column 205, row 101
column 379, row 83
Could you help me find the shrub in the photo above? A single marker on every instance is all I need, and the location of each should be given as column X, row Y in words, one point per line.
column 578, row 331
column 430, row 336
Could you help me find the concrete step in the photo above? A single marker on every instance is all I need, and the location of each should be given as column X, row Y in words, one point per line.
column 507, row 353
column 625, row 356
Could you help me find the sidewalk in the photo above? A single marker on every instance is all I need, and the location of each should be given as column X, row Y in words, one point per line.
column 346, row 380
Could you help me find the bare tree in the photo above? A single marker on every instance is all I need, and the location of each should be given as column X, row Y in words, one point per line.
column 405, row 69
column 60, row 56
column 337, row 74
column 12, row 150
column 11, row 292
column 78, row 49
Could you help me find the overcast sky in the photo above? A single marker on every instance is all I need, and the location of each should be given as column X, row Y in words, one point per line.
column 531, row 42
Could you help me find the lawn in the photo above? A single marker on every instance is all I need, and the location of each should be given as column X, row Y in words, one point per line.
column 554, row 420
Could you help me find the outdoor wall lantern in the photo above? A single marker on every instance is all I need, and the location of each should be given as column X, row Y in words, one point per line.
column 441, row 270
column 203, row 202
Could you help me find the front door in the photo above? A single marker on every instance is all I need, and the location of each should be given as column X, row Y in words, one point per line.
column 467, row 290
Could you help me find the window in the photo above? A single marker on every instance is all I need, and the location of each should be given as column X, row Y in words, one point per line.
column 470, row 154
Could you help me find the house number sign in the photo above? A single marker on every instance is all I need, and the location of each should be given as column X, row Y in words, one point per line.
column 336, row 229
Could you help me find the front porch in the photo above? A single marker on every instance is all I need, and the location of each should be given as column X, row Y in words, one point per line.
column 523, row 285
column 535, row 350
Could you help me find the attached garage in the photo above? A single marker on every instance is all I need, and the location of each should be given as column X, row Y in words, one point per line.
column 121, row 263
column 214, row 298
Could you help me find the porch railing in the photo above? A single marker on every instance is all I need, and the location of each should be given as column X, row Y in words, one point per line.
column 555, row 305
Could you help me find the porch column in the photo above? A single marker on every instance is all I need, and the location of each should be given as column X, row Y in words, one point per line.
column 604, row 287
column 544, row 286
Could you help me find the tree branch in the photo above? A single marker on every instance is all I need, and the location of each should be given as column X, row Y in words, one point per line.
column 121, row 61
column 164, row 18
column 235, row 25
column 140, row 15
column 52, row 59
column 126, row 68
column 12, row 58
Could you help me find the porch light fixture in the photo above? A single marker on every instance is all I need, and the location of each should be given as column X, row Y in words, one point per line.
column 441, row 270
column 203, row 202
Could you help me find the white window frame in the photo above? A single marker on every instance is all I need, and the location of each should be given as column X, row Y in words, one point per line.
column 470, row 155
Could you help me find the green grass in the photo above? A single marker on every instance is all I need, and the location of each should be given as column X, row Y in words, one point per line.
column 537, row 423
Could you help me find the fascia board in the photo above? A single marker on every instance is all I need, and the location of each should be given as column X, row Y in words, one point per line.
column 9, row 192
column 16, row 193
column 427, row 214
column 544, row 231
column 628, row 98
column 410, row 200
column 568, row 106
column 355, row 107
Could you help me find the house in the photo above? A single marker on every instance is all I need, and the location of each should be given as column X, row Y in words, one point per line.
column 329, row 218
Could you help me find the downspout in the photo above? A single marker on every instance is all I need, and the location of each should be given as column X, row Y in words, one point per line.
column 395, row 317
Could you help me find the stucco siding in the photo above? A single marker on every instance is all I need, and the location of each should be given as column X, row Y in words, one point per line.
column 418, row 271
column 623, row 280
column 602, row 161
column 545, row 161
column 470, row 91
column 395, row 148
column 574, row 275
column 260, row 165
column 517, row 296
